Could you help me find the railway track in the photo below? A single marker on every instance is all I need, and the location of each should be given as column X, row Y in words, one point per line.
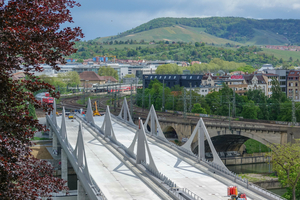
column 70, row 103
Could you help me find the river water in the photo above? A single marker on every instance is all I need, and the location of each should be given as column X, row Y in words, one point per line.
column 258, row 168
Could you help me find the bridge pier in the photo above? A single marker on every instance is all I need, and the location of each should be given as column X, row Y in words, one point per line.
column 54, row 144
column 64, row 166
column 81, row 192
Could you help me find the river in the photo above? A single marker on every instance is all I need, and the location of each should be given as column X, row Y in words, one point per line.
column 258, row 168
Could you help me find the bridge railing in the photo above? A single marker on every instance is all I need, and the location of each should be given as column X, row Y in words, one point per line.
column 95, row 188
column 224, row 171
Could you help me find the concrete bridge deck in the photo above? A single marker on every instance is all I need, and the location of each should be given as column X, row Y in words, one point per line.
column 111, row 175
column 182, row 173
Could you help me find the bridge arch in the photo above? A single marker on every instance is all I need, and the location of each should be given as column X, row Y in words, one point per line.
column 170, row 132
column 227, row 142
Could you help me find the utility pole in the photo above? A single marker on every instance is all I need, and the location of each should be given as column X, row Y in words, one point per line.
column 143, row 98
column 131, row 109
column 115, row 99
column 173, row 102
column 233, row 104
column 190, row 108
column 184, row 103
column 293, row 111
column 163, row 97
column 229, row 116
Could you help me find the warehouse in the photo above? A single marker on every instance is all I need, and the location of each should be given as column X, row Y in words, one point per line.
column 172, row 80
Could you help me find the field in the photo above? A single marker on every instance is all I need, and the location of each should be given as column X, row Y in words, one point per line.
column 285, row 55
column 263, row 37
column 174, row 33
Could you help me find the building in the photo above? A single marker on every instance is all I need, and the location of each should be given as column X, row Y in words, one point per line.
column 270, row 77
column 131, row 80
column 256, row 82
column 210, row 80
column 90, row 78
column 266, row 67
column 237, row 83
column 172, row 80
column 293, row 85
column 283, row 76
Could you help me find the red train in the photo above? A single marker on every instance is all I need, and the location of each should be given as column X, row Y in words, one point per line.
column 48, row 100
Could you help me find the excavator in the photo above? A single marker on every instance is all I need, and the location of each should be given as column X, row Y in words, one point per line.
column 95, row 112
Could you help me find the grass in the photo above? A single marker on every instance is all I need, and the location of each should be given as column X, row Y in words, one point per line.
column 253, row 146
column 285, row 55
column 173, row 33
column 250, row 178
column 38, row 138
column 263, row 37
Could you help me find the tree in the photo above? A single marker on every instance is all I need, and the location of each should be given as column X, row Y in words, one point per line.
column 250, row 110
column 197, row 44
column 108, row 71
column 70, row 78
column 286, row 162
column 30, row 34
column 129, row 76
column 198, row 109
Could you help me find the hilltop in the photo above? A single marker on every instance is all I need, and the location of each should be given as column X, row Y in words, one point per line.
column 217, row 30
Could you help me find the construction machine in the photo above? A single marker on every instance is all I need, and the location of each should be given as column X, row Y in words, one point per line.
column 95, row 112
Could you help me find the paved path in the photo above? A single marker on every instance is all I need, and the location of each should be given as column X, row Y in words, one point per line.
column 114, row 179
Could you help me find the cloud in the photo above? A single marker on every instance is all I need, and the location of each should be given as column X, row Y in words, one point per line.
column 99, row 19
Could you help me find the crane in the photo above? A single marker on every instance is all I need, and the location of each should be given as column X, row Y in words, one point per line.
column 96, row 113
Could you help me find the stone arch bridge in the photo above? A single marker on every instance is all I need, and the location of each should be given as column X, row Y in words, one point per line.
column 229, row 136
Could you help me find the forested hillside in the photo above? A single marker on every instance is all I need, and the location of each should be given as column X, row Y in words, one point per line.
column 182, row 52
column 231, row 28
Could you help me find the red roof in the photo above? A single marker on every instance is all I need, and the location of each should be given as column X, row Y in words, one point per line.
column 294, row 74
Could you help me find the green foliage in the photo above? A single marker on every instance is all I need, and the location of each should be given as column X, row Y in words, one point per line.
column 253, row 146
column 286, row 162
column 69, row 78
column 108, row 71
column 247, row 68
column 169, row 69
column 233, row 28
column 129, row 76
column 198, row 109
column 31, row 110
column 181, row 51
column 250, row 110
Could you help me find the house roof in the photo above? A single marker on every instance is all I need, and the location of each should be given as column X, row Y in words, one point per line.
column 109, row 78
column 249, row 77
column 90, row 76
column 271, row 75
column 294, row 74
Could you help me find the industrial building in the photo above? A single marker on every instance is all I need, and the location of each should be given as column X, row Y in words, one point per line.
column 172, row 80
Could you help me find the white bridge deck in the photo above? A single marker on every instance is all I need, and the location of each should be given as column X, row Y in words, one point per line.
column 111, row 175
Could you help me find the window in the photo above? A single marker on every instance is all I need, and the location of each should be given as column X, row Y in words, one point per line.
column 283, row 89
column 292, row 72
column 289, row 84
column 282, row 77
column 282, row 82
column 292, row 84
column 296, row 84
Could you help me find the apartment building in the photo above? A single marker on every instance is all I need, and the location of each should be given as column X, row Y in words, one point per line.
column 293, row 85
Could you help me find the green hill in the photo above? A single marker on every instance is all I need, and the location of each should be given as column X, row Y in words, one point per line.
column 242, row 30
column 174, row 33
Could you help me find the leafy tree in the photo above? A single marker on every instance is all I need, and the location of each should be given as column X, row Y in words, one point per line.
column 250, row 110
column 69, row 78
column 197, row 44
column 31, row 34
column 246, row 68
column 286, row 162
column 169, row 69
column 129, row 76
column 198, row 109
column 108, row 71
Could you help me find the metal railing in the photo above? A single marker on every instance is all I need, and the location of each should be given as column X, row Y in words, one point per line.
column 69, row 147
column 220, row 169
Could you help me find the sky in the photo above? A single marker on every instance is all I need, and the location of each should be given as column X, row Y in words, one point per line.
column 99, row 18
